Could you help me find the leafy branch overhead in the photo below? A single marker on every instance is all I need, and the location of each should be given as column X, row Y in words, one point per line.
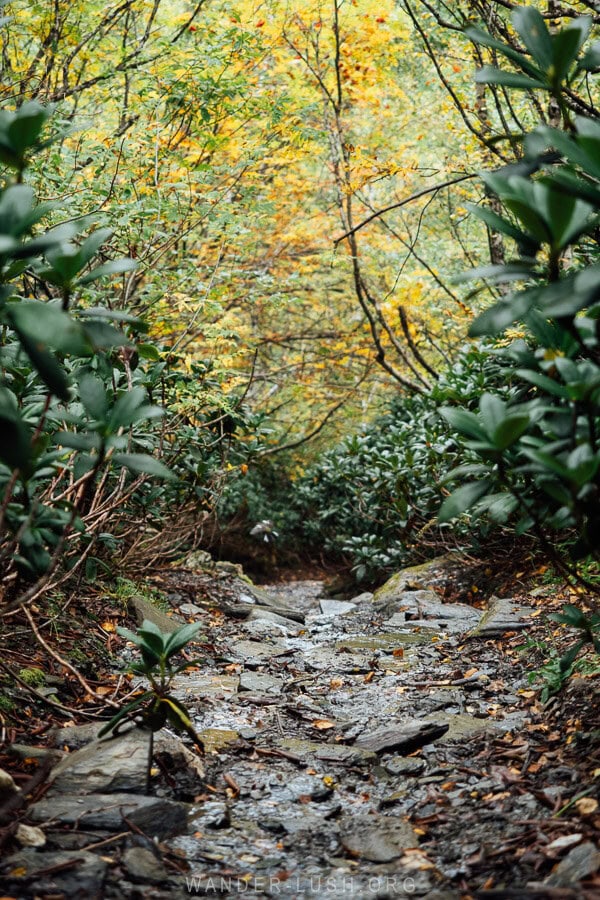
column 539, row 457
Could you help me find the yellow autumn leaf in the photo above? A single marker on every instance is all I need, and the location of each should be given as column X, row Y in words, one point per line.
column 322, row 724
column 586, row 806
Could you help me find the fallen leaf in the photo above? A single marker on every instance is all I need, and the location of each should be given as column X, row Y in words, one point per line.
column 586, row 806
column 322, row 724
column 369, row 677
column 398, row 652
column 108, row 626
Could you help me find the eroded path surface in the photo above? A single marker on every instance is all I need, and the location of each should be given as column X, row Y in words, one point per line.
column 386, row 746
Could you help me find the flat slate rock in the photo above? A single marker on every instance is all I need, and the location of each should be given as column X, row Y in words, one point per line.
column 406, row 736
column 193, row 685
column 405, row 765
column 377, row 841
column 579, row 863
column 414, row 578
column 260, row 684
column 119, row 763
column 257, row 651
column 332, row 753
column 460, row 725
column 75, row 737
column 154, row 816
column 501, row 615
column 144, row 609
column 143, row 866
column 81, row 879
column 329, row 659
column 335, row 608
column 263, row 614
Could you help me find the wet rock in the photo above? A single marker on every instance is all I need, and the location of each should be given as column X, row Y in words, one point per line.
column 328, row 659
column 24, row 751
column 385, row 642
column 284, row 612
column 180, row 756
column 261, row 614
column 120, row 763
column 406, row 736
column 364, row 598
column 379, row 841
column 263, row 629
column 260, row 683
column 193, row 685
column 304, row 820
column 500, row 616
column 75, row 737
column 154, row 816
column 144, row 609
column 143, row 866
column 460, row 725
column 212, row 814
column 404, row 765
column 215, row 739
column 424, row 609
column 256, row 652
column 273, row 601
column 335, row 608
column 308, row 787
column 332, row 753
column 190, row 609
column 82, row 877
column 579, row 863
column 414, row 578
column 272, row 824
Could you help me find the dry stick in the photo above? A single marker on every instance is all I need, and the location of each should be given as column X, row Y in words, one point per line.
column 416, row 196
column 108, row 840
column 67, row 665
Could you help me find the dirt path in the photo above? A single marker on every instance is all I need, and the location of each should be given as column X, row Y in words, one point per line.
column 389, row 746
column 374, row 750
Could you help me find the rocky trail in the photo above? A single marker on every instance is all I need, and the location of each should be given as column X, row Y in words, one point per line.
column 387, row 746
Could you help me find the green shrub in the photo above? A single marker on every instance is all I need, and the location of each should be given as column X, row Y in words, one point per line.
column 370, row 499
column 539, row 458
column 92, row 467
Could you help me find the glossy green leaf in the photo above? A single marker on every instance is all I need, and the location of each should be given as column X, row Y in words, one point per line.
column 566, row 44
column 478, row 36
column 114, row 267
column 49, row 326
column 532, row 30
column 144, row 464
column 463, row 499
column 178, row 639
column 492, row 75
column 463, row 421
